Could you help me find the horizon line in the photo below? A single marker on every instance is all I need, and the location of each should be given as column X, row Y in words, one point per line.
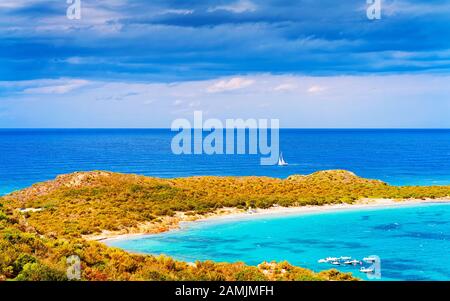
column 167, row 128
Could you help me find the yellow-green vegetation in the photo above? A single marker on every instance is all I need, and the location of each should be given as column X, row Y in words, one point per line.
column 42, row 225
column 30, row 256
column 87, row 203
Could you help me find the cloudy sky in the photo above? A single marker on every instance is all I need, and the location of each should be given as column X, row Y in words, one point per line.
column 310, row 63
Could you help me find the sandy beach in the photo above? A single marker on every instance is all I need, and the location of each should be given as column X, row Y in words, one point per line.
column 173, row 223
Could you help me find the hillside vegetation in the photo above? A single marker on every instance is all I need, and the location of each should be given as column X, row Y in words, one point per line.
column 41, row 226
column 88, row 203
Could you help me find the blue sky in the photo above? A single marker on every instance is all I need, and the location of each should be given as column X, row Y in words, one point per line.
column 143, row 63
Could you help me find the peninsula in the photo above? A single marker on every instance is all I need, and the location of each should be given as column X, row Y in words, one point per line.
column 41, row 226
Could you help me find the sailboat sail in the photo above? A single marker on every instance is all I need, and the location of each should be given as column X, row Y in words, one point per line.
column 281, row 161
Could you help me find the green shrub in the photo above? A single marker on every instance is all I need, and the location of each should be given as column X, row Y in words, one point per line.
column 21, row 261
column 39, row 272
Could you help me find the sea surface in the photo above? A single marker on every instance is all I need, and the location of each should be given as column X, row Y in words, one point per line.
column 413, row 242
column 399, row 157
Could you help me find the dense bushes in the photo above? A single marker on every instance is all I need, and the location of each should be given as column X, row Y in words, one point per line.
column 38, row 272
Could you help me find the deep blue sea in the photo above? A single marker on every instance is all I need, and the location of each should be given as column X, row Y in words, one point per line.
column 399, row 157
column 413, row 242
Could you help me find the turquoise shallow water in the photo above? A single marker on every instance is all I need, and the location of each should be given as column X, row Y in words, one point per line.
column 413, row 242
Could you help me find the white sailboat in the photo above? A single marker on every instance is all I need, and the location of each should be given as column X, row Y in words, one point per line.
column 281, row 161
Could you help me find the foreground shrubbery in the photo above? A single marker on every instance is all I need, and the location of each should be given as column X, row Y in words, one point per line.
column 28, row 256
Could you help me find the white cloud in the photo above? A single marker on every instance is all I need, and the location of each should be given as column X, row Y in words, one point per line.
column 393, row 8
column 316, row 89
column 148, row 101
column 285, row 87
column 356, row 101
column 178, row 11
column 238, row 7
column 194, row 104
column 57, row 87
column 234, row 83
column 16, row 3
column 75, row 60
